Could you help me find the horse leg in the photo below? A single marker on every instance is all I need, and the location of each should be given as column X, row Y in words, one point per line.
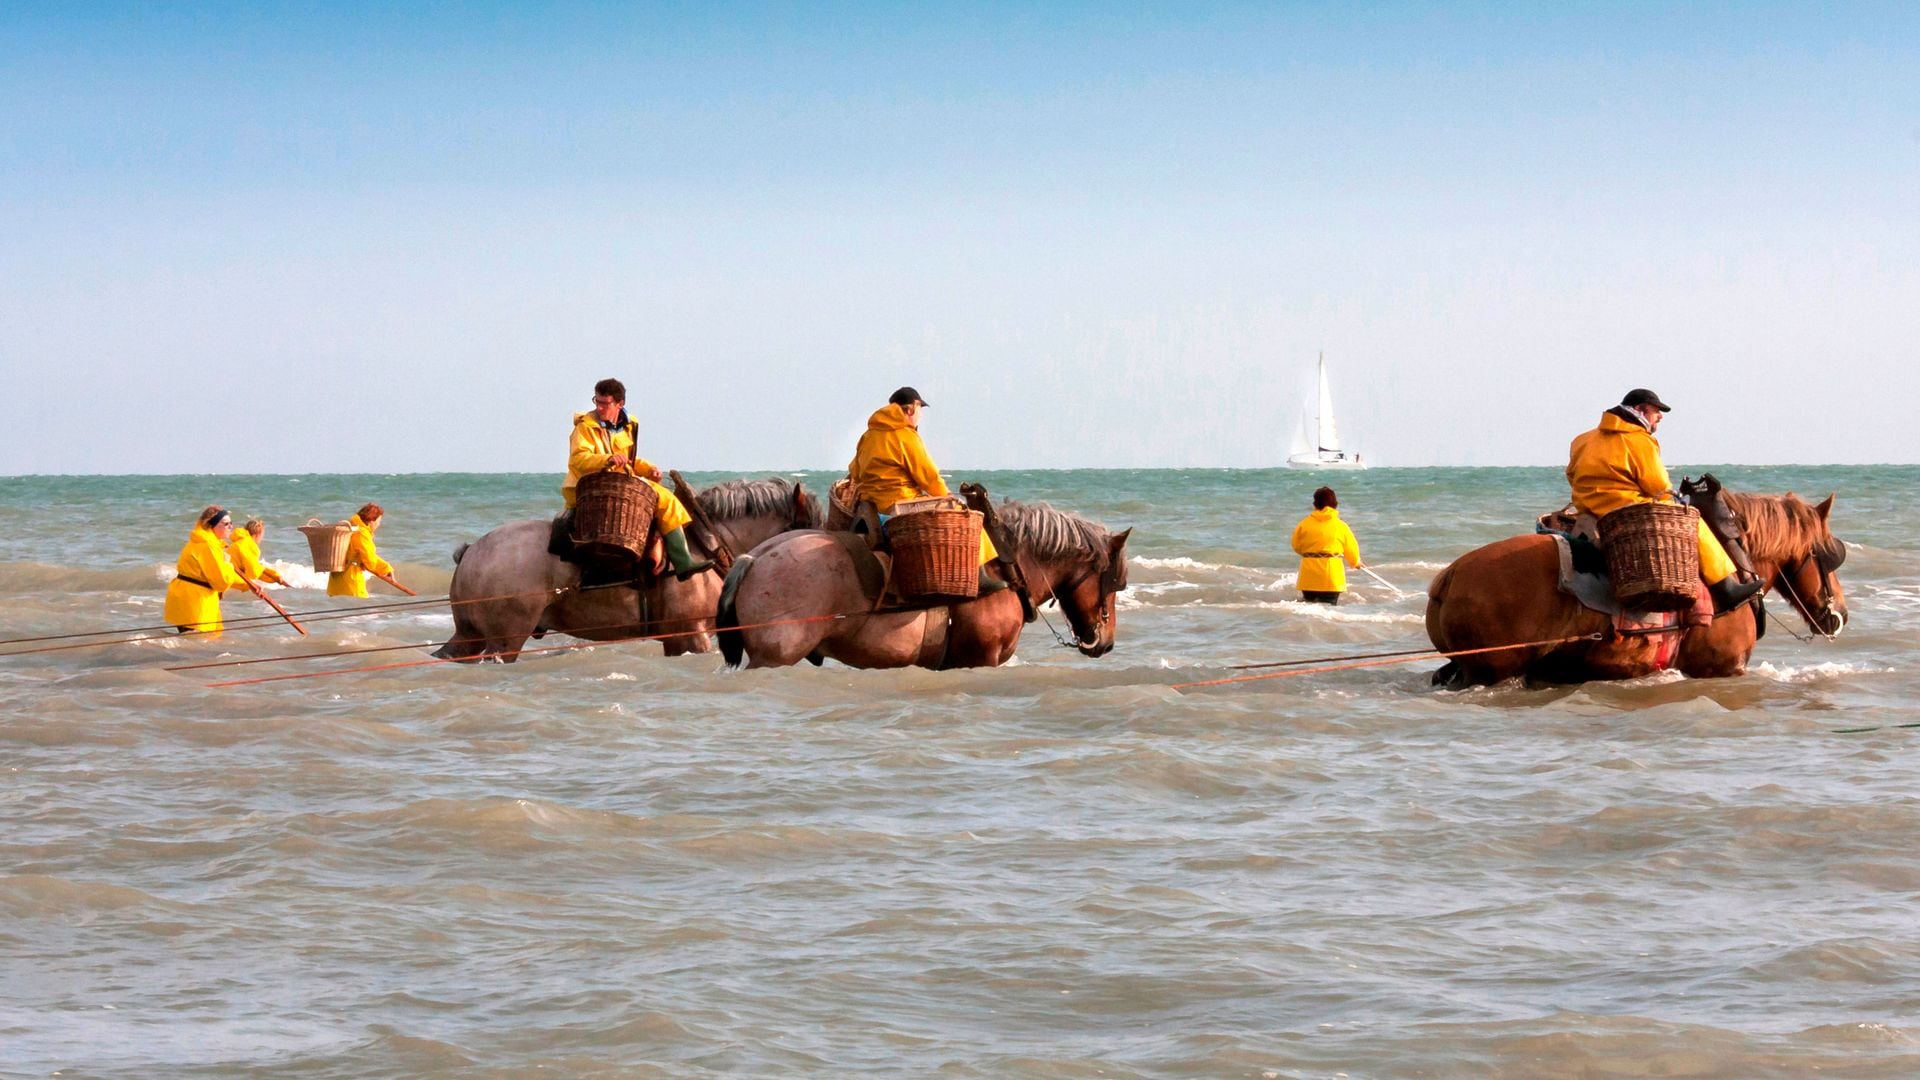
column 689, row 604
column 497, row 633
column 985, row 632
column 1720, row 650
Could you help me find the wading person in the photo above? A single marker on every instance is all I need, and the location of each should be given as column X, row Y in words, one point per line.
column 244, row 549
column 1617, row 464
column 202, row 574
column 607, row 438
column 362, row 558
column 1326, row 547
column 891, row 463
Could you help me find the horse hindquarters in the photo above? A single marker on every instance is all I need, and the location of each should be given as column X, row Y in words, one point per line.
column 502, row 585
column 780, row 601
column 1501, row 594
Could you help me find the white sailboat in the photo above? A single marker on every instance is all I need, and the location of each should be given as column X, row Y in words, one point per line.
column 1323, row 452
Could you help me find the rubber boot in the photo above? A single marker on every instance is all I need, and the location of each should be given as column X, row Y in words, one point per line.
column 682, row 560
column 1729, row 593
column 989, row 584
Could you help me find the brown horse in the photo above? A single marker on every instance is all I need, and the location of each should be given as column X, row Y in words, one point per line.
column 1506, row 593
column 807, row 584
column 507, row 587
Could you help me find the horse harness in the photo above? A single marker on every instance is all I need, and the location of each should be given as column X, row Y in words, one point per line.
column 1113, row 578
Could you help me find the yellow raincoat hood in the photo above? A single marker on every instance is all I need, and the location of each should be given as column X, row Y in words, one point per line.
column 891, row 462
column 1616, row 465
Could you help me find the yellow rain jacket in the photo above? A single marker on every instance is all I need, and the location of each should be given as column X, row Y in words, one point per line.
column 593, row 446
column 245, row 552
column 361, row 557
column 891, row 463
column 1323, row 541
column 1617, row 465
column 204, row 572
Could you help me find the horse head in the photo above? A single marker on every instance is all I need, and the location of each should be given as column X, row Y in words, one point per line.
column 1072, row 561
column 1089, row 601
column 1812, row 582
column 1795, row 550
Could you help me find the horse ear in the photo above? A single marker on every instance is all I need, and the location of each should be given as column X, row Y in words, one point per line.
column 1825, row 508
column 1120, row 539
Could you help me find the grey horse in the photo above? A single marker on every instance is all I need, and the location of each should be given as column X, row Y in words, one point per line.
column 507, row 587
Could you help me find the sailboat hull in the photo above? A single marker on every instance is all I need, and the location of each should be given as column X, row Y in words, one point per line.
column 1316, row 461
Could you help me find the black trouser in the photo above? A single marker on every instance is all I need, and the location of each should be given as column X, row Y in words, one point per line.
column 1320, row 597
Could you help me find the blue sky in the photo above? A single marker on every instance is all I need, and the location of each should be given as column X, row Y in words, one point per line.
column 411, row 239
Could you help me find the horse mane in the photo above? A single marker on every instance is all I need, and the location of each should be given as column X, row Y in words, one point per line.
column 1774, row 526
column 1045, row 532
column 731, row 500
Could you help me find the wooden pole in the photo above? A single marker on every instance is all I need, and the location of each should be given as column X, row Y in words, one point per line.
column 722, row 554
column 261, row 591
column 1396, row 589
column 389, row 580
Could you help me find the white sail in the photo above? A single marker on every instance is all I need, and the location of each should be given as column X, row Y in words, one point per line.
column 1329, row 436
column 1317, row 446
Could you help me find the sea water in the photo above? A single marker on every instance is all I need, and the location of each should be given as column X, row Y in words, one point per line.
column 605, row 862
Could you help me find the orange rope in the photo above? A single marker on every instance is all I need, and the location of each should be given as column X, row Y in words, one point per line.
column 429, row 644
column 261, row 622
column 1423, row 654
column 520, row 652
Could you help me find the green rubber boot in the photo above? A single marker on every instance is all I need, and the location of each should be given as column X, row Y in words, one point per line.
column 682, row 560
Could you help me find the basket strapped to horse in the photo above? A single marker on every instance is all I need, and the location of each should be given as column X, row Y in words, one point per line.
column 1653, row 556
column 612, row 515
column 936, row 551
column 840, row 504
column 329, row 544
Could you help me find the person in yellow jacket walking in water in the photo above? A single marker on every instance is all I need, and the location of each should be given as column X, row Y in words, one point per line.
column 1326, row 547
column 891, row 463
column 244, row 550
column 1617, row 464
column 202, row 574
column 607, row 438
column 362, row 558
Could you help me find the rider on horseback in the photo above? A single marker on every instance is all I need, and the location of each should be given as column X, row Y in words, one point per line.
column 605, row 439
column 1618, row 464
column 891, row 463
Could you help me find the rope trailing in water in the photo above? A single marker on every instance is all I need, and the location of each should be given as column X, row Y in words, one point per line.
column 693, row 628
column 235, row 622
column 520, row 652
column 1398, row 658
column 269, row 622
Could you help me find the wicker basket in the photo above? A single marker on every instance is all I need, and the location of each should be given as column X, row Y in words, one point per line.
column 612, row 513
column 840, row 500
column 929, row 502
column 329, row 544
column 936, row 553
column 1653, row 555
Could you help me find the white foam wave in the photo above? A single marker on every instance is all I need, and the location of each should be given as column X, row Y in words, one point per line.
column 1788, row 673
column 1178, row 562
column 298, row 575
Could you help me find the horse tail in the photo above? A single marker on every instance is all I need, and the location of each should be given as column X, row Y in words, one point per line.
column 458, row 552
column 733, row 644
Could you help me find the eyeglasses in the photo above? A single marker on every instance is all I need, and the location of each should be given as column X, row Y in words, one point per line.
column 603, row 401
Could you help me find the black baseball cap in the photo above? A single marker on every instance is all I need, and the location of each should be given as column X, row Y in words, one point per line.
column 1644, row 396
column 905, row 396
